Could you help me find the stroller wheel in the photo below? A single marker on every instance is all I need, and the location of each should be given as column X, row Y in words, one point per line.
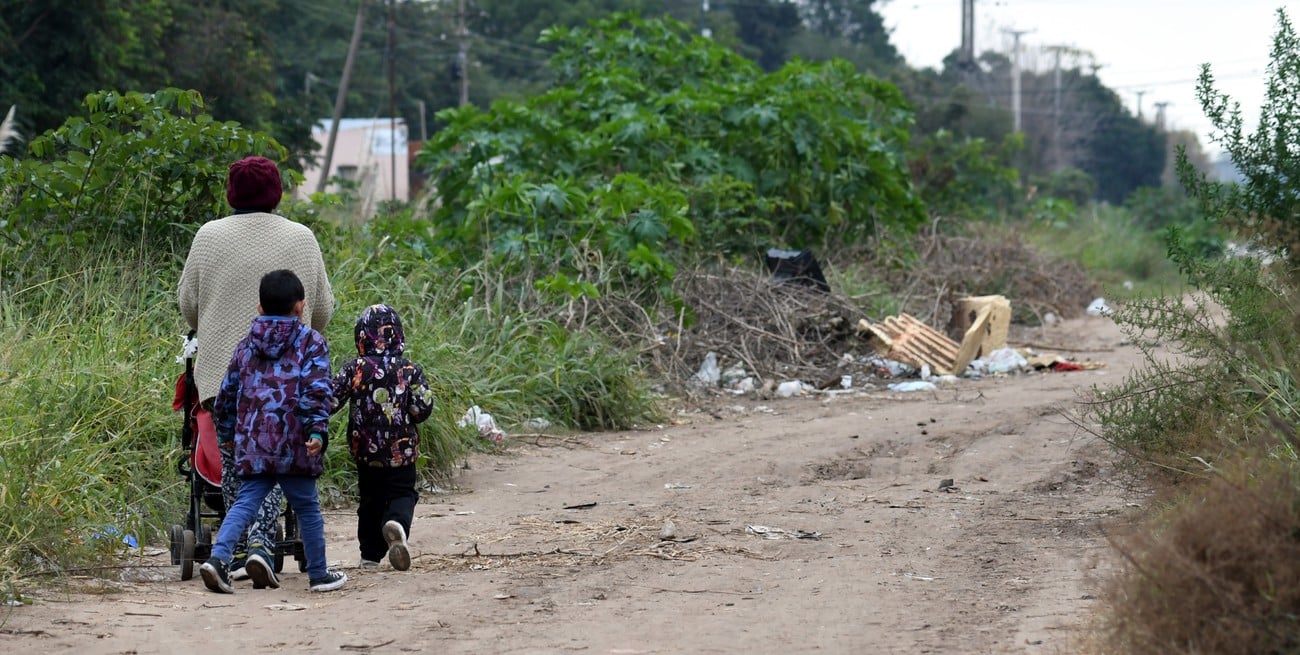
column 187, row 556
column 176, row 543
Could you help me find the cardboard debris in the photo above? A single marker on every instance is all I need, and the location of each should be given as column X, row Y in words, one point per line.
column 982, row 322
column 905, row 339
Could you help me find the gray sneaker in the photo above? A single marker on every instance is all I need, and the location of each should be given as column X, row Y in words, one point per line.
column 216, row 576
column 331, row 581
column 399, row 556
column 261, row 571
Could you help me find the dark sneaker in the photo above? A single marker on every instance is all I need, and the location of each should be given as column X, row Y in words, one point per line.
column 332, row 580
column 216, row 576
column 399, row 556
column 260, row 570
column 237, row 570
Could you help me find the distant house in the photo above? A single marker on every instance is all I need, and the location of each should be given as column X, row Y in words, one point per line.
column 371, row 153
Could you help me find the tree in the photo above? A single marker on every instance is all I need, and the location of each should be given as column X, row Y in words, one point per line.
column 53, row 53
column 855, row 23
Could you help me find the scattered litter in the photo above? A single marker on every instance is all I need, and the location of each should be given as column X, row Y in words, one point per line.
column 734, row 374
column 1057, row 363
column 913, row 385
column 286, row 607
column 111, row 532
column 1002, row 360
column 888, row 368
column 946, row 484
column 777, row 533
column 846, row 381
column 676, row 485
column 537, row 424
column 464, row 513
column 487, row 426
column 796, row 267
column 582, row 506
column 13, row 602
column 922, row 578
column 668, row 532
column 1099, row 307
column 790, row 388
column 743, row 386
column 709, row 374
column 503, row 596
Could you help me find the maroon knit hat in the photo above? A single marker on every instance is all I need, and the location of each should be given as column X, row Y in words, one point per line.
column 254, row 184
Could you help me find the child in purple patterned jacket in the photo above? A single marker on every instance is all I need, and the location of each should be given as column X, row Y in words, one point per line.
column 273, row 411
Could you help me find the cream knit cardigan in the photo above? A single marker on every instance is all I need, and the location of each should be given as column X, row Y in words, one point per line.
column 218, row 289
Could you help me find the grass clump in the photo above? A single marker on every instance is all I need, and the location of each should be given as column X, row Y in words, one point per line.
column 87, row 437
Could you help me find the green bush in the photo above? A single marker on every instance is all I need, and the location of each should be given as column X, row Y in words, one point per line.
column 654, row 144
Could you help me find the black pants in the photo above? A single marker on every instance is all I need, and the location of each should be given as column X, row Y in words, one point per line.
column 387, row 494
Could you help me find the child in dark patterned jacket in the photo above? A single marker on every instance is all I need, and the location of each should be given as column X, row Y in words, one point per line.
column 388, row 396
column 273, row 410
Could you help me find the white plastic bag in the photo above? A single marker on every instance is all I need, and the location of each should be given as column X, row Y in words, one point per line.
column 487, row 427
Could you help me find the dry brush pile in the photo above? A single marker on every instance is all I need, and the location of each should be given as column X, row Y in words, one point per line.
column 781, row 331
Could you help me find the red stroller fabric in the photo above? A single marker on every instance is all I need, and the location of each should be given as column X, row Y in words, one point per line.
column 205, row 456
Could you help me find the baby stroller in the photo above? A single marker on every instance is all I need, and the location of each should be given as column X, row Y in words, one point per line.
column 200, row 464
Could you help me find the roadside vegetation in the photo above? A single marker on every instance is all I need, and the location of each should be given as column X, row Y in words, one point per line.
column 587, row 246
column 1214, row 568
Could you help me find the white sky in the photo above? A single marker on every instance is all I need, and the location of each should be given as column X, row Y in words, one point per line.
column 1155, row 46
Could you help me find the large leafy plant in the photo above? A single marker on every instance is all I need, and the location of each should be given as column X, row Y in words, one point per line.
column 653, row 144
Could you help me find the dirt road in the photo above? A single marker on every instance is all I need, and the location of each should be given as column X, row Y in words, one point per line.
column 811, row 524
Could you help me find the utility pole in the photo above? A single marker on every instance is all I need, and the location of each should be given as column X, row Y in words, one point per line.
column 342, row 95
column 423, row 135
column 1015, row 73
column 392, row 103
column 1058, row 154
column 462, row 52
column 1160, row 114
column 1139, row 95
column 967, row 58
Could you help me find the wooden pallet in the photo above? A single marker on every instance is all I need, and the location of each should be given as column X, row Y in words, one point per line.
column 905, row 339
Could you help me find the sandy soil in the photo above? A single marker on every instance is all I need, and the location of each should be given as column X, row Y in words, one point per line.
column 813, row 524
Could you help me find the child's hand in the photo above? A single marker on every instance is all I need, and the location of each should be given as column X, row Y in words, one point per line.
column 314, row 445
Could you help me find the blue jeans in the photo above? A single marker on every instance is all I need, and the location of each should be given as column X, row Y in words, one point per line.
column 301, row 493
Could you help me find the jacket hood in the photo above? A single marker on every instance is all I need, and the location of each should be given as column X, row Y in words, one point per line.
column 271, row 336
column 379, row 332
